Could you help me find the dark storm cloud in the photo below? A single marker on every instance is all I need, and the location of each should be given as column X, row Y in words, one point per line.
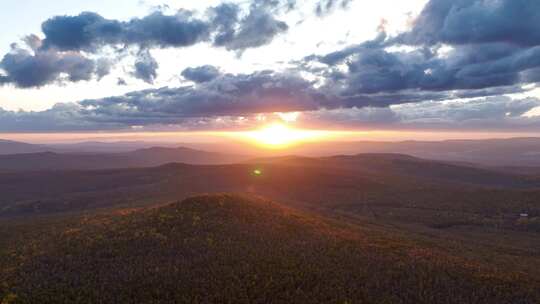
column 26, row 69
column 89, row 31
column 371, row 68
column 377, row 70
column 477, row 21
column 200, row 74
column 464, row 46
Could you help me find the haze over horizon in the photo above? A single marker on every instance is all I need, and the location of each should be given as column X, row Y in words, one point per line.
column 417, row 69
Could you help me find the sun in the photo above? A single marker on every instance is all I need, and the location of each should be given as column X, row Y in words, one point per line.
column 279, row 135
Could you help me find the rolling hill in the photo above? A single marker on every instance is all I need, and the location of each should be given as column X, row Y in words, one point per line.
column 227, row 248
column 390, row 187
column 405, row 166
column 375, row 228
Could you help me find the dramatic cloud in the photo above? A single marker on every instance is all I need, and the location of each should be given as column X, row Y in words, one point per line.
column 226, row 95
column 477, row 21
column 224, row 24
column 246, row 94
column 89, row 31
column 224, row 19
column 488, row 114
column 200, row 74
column 451, row 69
column 462, row 48
column 258, row 28
column 69, row 38
column 146, row 67
column 376, row 69
column 26, row 69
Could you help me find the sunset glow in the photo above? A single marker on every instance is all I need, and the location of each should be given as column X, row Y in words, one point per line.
column 279, row 136
column 268, row 151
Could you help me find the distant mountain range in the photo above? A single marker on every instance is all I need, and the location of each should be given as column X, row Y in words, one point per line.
column 512, row 152
column 107, row 147
column 93, row 161
column 490, row 152
column 519, row 155
column 14, row 147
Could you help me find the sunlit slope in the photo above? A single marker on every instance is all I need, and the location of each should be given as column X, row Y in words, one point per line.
column 232, row 249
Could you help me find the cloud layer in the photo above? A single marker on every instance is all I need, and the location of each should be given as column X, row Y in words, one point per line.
column 452, row 69
column 484, row 114
column 69, row 40
column 33, row 70
column 477, row 21
column 201, row 74
column 455, row 49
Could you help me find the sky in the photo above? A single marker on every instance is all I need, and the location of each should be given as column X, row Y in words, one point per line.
column 147, row 67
